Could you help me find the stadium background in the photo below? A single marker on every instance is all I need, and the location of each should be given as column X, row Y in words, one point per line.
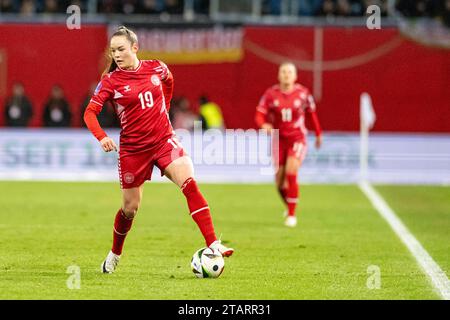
column 230, row 52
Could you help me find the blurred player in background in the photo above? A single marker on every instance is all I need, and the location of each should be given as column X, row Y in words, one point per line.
column 141, row 91
column 283, row 107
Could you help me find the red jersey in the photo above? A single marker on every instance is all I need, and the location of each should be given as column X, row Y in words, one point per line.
column 286, row 110
column 140, row 104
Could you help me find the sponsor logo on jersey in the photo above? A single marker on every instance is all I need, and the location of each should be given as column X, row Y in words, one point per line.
column 155, row 80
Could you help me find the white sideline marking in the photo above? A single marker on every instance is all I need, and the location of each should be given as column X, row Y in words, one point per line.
column 437, row 275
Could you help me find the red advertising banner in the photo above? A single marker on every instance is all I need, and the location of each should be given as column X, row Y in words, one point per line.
column 407, row 81
column 40, row 56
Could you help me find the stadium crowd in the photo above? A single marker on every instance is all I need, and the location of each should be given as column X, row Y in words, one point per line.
column 431, row 8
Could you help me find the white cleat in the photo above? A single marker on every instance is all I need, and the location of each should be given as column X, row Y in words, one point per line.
column 291, row 221
column 225, row 251
column 110, row 263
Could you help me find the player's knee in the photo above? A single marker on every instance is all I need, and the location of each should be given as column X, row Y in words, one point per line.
column 130, row 209
column 292, row 172
column 293, row 168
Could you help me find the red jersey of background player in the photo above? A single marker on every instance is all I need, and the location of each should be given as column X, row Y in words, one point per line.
column 286, row 111
column 140, row 101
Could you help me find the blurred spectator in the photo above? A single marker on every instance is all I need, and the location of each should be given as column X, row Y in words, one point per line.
column 343, row 8
column 129, row 6
column 180, row 114
column 18, row 108
column 409, row 8
column 347, row 8
column 57, row 110
column 150, row 7
column 173, row 6
column 51, row 6
column 27, row 8
column 446, row 15
column 210, row 114
column 107, row 117
column 8, row 6
column 107, row 6
column 423, row 8
column 328, row 8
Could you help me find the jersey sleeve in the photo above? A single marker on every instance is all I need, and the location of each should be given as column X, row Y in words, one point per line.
column 263, row 105
column 311, row 109
column 103, row 92
column 311, row 104
column 167, row 82
column 163, row 70
column 90, row 118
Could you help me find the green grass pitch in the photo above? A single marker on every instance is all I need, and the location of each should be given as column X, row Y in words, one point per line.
column 46, row 227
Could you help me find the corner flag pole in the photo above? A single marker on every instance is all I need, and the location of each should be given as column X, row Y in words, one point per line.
column 367, row 120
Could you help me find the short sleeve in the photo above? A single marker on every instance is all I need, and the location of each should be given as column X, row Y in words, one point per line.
column 103, row 92
column 263, row 105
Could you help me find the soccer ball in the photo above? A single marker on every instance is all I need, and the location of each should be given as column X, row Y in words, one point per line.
column 207, row 263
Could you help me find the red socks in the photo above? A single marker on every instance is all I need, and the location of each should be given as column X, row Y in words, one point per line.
column 121, row 227
column 292, row 193
column 199, row 210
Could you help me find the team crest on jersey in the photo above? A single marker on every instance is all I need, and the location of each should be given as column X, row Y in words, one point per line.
column 303, row 95
column 297, row 103
column 276, row 103
column 155, row 80
column 127, row 88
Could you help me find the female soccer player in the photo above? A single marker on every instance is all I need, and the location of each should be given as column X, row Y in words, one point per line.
column 283, row 107
column 141, row 91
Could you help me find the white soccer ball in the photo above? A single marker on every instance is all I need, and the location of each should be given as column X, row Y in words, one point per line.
column 207, row 263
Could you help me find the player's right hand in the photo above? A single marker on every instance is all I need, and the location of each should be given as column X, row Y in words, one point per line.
column 318, row 141
column 268, row 127
column 108, row 144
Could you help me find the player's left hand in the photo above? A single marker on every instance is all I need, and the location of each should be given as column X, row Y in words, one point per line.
column 108, row 144
column 318, row 142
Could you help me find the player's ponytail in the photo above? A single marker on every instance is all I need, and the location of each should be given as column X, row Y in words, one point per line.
column 131, row 37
